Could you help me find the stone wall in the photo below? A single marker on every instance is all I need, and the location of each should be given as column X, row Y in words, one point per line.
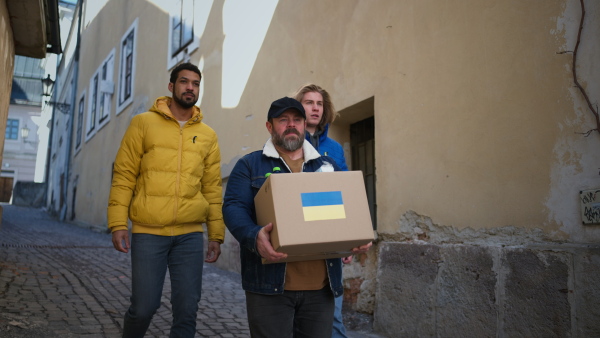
column 466, row 290
column 29, row 194
column 436, row 281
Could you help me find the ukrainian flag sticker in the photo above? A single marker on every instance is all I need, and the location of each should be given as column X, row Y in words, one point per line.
column 319, row 206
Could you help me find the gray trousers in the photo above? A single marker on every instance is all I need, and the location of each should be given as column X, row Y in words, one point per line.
column 297, row 314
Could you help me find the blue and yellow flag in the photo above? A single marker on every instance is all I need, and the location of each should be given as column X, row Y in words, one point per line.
column 319, row 206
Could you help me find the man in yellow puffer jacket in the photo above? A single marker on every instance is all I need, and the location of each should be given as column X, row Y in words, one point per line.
column 167, row 181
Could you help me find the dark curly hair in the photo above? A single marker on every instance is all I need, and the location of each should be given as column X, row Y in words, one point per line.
column 184, row 66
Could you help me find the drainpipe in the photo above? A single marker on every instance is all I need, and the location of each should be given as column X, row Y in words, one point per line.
column 63, row 212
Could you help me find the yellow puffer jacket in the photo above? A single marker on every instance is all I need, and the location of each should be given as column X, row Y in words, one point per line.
column 167, row 179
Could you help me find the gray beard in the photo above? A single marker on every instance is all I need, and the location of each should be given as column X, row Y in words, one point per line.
column 287, row 144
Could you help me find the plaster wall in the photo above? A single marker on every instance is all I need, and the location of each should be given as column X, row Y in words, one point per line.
column 92, row 165
column 476, row 116
column 7, row 62
column 61, row 120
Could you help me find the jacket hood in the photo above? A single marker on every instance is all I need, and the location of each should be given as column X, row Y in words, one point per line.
column 161, row 106
column 320, row 136
column 323, row 133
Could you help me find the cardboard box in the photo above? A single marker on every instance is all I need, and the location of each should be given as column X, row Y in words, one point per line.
column 315, row 215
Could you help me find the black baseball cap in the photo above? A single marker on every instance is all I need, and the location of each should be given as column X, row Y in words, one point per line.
column 278, row 107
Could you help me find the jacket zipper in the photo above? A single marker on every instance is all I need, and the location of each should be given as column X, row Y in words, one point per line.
column 179, row 152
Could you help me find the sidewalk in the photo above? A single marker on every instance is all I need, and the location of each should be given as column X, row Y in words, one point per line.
column 60, row 280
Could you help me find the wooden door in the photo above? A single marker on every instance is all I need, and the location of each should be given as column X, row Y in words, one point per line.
column 6, row 188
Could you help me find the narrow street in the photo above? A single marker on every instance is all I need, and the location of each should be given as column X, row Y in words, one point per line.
column 61, row 280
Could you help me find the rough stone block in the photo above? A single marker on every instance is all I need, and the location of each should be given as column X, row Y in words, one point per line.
column 587, row 292
column 406, row 290
column 29, row 194
column 536, row 288
column 466, row 299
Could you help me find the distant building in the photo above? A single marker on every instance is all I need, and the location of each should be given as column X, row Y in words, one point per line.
column 24, row 39
column 21, row 138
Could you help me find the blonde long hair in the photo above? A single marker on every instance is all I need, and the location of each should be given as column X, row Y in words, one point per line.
column 329, row 112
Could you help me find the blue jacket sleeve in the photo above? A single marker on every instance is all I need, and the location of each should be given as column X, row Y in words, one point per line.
column 238, row 206
column 342, row 160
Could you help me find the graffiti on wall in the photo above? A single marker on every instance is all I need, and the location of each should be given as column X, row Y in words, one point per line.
column 590, row 206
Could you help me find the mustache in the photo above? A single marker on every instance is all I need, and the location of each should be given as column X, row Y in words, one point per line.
column 291, row 131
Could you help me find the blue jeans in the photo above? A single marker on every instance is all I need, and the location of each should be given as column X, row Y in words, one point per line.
column 150, row 257
column 339, row 331
column 298, row 314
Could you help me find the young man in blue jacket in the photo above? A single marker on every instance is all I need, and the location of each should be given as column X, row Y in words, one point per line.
column 319, row 114
column 282, row 299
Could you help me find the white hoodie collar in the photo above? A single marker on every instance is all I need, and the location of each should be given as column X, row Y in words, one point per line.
column 310, row 153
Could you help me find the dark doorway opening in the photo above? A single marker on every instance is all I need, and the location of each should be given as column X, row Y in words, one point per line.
column 362, row 141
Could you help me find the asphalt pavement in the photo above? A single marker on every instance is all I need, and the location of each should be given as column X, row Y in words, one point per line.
column 61, row 280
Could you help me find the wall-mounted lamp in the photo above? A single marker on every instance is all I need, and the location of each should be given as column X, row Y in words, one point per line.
column 25, row 135
column 48, row 86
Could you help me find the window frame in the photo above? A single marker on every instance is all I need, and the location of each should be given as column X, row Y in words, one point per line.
column 101, row 95
column 90, row 129
column 80, row 118
column 17, row 131
column 127, row 68
column 176, row 56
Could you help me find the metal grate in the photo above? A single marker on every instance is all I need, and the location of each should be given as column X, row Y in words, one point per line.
column 42, row 246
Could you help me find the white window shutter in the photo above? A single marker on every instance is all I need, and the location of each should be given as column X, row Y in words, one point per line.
column 107, row 87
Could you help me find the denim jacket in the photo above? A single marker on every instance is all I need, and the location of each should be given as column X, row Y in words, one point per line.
column 243, row 184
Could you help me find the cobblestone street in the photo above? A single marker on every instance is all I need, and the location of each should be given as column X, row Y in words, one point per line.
column 61, row 280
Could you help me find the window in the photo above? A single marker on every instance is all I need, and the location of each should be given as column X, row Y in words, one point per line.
column 80, row 109
column 127, row 67
column 103, row 112
column 101, row 92
column 91, row 127
column 12, row 129
column 182, row 37
column 182, row 27
column 106, row 90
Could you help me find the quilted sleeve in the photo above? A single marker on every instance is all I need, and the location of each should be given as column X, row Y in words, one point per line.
column 125, row 173
column 213, row 193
